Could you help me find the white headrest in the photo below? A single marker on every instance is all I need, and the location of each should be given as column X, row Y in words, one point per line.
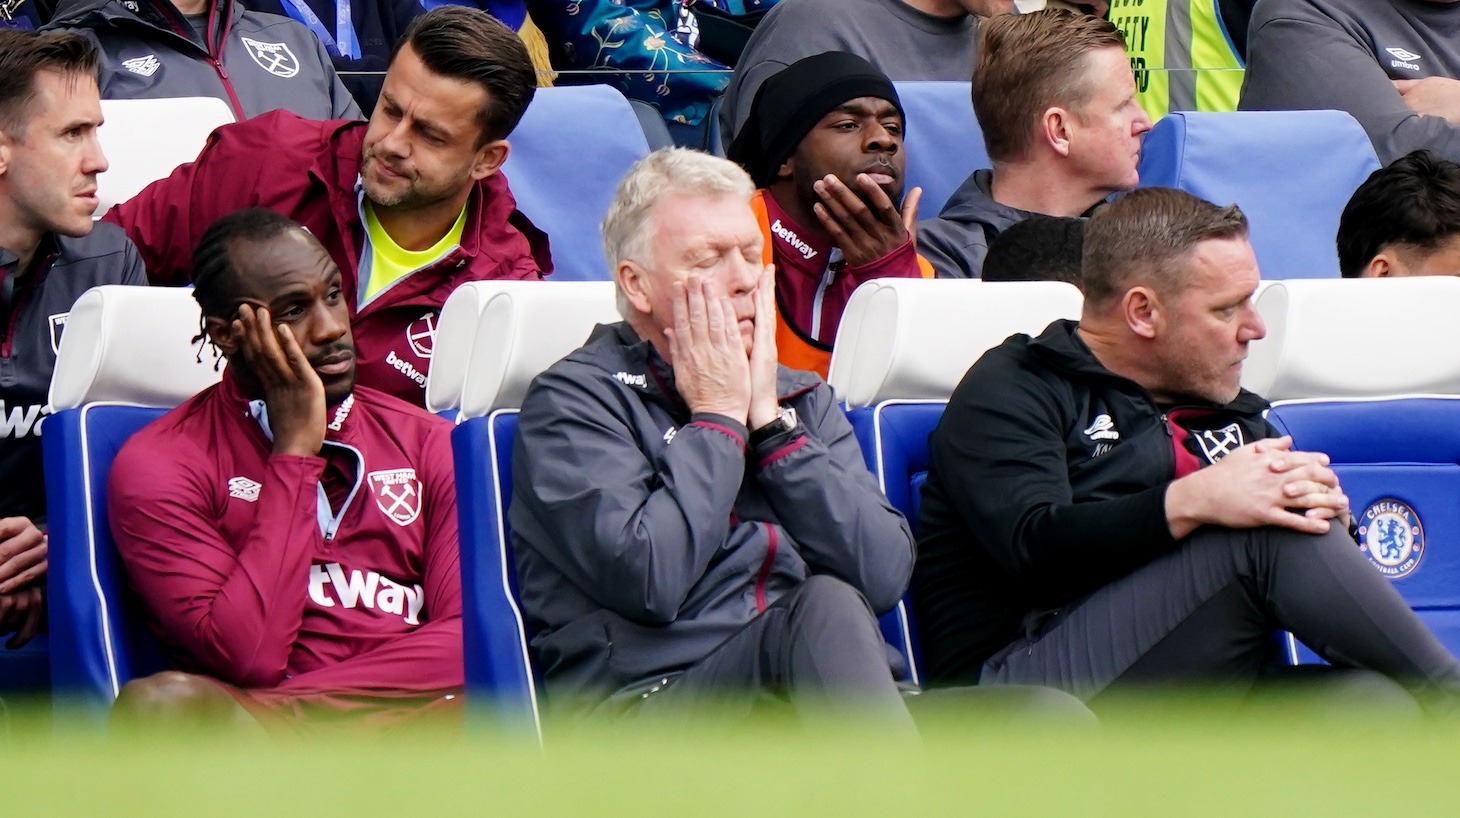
column 146, row 139
column 456, row 332
column 520, row 331
column 915, row 338
column 131, row 345
column 1357, row 338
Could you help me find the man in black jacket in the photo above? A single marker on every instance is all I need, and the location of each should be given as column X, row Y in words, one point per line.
column 1106, row 505
column 50, row 253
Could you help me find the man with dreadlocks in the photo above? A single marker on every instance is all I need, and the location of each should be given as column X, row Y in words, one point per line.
column 50, row 253
column 292, row 535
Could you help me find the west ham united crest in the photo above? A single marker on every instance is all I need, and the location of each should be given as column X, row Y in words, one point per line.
column 398, row 493
column 1391, row 536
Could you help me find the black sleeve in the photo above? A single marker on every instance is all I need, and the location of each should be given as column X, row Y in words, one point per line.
column 999, row 452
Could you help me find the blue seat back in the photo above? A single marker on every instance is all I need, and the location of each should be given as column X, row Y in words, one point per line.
column 944, row 143
column 99, row 639
column 569, row 152
column 501, row 681
column 1291, row 172
column 894, row 440
column 1392, row 455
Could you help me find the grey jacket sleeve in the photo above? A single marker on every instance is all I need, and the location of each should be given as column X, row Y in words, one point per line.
column 955, row 250
column 134, row 272
column 342, row 105
column 632, row 536
column 1314, row 64
column 830, row 505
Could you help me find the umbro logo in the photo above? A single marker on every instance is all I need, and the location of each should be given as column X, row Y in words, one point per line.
column 1102, row 429
column 244, row 489
column 1403, row 59
column 143, row 66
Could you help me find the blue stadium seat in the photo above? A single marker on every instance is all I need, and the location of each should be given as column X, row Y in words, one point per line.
column 894, row 439
column 568, row 154
column 501, row 336
column 125, row 358
column 501, row 682
column 1384, row 405
column 895, row 392
column 944, row 143
column 98, row 639
column 1291, row 172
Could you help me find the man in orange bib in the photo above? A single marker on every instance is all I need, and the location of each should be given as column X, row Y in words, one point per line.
column 823, row 142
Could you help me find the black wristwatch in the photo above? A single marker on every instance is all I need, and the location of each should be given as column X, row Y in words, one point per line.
column 786, row 421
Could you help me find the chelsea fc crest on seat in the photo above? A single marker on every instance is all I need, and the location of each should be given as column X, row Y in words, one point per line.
column 1391, row 536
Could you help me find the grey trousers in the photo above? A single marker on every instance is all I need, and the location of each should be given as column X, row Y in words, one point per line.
column 816, row 648
column 1208, row 610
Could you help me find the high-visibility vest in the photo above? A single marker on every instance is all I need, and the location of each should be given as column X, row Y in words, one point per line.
column 1188, row 39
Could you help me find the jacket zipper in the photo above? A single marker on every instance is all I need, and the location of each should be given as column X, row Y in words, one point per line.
column 21, row 295
column 765, row 569
column 228, row 86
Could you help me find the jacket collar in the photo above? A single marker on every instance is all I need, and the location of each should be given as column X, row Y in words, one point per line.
column 49, row 248
column 158, row 15
column 341, row 425
column 1061, row 347
column 494, row 226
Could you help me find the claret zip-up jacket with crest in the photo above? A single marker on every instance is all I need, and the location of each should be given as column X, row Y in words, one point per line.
column 310, row 171
column 644, row 535
column 332, row 578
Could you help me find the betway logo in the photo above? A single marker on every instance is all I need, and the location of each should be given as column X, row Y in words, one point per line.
column 404, row 367
column 20, row 421
column 369, row 589
column 789, row 236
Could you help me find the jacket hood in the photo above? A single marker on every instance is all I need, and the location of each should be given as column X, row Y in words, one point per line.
column 973, row 202
column 1061, row 347
column 156, row 14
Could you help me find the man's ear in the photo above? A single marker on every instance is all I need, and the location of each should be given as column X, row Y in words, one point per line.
column 1054, row 129
column 1380, row 266
column 220, row 332
column 6, row 145
column 631, row 280
column 1143, row 312
column 490, row 158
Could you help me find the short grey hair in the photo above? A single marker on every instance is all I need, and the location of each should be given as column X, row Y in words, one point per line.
column 663, row 173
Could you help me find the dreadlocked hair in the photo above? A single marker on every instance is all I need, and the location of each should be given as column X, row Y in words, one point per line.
column 215, row 279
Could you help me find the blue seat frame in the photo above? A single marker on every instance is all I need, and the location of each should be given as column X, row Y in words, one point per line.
column 99, row 640
column 894, row 439
column 501, row 681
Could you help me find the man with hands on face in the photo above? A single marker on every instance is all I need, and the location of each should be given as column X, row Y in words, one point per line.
column 691, row 520
column 824, row 142
column 1105, row 505
column 292, row 536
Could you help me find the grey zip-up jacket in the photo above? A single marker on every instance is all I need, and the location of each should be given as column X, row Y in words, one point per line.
column 957, row 241
column 1346, row 54
column 645, row 536
column 255, row 62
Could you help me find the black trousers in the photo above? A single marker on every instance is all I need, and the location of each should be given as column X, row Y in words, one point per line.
column 816, row 648
column 1208, row 610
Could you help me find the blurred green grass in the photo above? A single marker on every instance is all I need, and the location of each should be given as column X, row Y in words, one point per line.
column 1177, row 755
